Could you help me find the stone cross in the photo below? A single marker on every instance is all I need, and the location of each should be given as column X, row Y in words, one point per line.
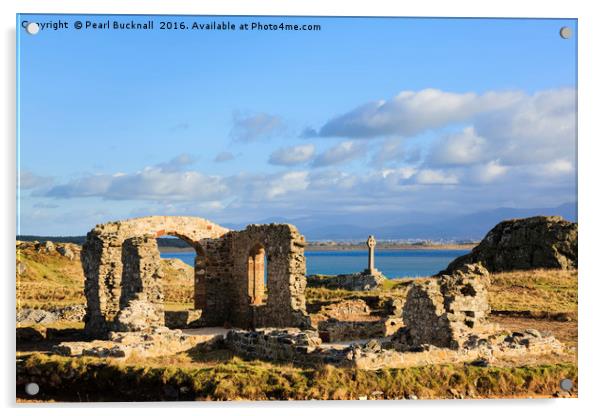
column 371, row 243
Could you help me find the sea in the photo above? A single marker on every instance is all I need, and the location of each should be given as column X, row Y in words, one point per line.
column 392, row 263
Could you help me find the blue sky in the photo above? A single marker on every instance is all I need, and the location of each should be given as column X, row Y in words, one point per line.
column 368, row 119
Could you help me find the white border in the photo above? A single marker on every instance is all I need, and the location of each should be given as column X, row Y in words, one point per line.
column 589, row 153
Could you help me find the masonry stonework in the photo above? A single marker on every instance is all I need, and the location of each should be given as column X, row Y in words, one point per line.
column 445, row 312
column 247, row 279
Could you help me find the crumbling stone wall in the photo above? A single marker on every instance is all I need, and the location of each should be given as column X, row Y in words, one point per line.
column 284, row 251
column 102, row 259
column 291, row 344
column 214, row 284
column 123, row 276
column 141, row 299
column 444, row 312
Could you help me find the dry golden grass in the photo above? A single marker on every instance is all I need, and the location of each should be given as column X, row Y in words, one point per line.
column 535, row 291
column 394, row 287
column 52, row 280
column 48, row 280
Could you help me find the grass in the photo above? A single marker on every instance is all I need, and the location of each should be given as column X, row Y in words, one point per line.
column 391, row 287
column 236, row 379
column 52, row 280
column 48, row 280
column 535, row 291
column 553, row 291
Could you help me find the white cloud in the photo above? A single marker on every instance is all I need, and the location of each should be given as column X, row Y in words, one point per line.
column 87, row 186
column 488, row 172
column 434, row 177
column 463, row 148
column 289, row 182
column 412, row 112
column 534, row 138
column 555, row 168
column 151, row 183
column 399, row 174
column 340, row 153
column 293, row 155
column 392, row 150
column 539, row 128
column 332, row 179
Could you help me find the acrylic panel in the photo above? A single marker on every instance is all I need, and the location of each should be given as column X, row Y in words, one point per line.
column 277, row 208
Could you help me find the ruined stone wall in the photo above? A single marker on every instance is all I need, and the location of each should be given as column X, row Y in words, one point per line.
column 284, row 250
column 444, row 312
column 121, row 265
column 291, row 345
column 102, row 259
column 214, row 285
column 141, row 298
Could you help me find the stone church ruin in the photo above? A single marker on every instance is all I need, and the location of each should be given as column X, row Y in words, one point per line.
column 123, row 276
column 249, row 289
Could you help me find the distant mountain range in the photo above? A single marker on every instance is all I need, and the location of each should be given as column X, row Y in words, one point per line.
column 418, row 226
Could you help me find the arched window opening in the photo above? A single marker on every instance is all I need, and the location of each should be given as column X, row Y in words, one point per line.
column 257, row 272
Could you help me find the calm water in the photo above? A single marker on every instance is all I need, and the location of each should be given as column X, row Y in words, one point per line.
column 393, row 263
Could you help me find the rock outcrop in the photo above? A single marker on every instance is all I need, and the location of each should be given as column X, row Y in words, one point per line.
column 522, row 244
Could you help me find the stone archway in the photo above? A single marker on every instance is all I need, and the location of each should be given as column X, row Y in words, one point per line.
column 127, row 250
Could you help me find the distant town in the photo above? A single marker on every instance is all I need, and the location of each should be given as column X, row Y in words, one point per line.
column 174, row 244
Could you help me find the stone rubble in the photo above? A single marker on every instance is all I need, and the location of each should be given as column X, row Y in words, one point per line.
column 69, row 250
column 354, row 319
column 305, row 348
column 353, row 281
column 158, row 341
column 184, row 319
column 290, row 344
column 28, row 316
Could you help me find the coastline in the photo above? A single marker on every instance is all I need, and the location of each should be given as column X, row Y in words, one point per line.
column 353, row 247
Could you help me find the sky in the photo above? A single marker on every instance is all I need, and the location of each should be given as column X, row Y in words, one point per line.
column 367, row 120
